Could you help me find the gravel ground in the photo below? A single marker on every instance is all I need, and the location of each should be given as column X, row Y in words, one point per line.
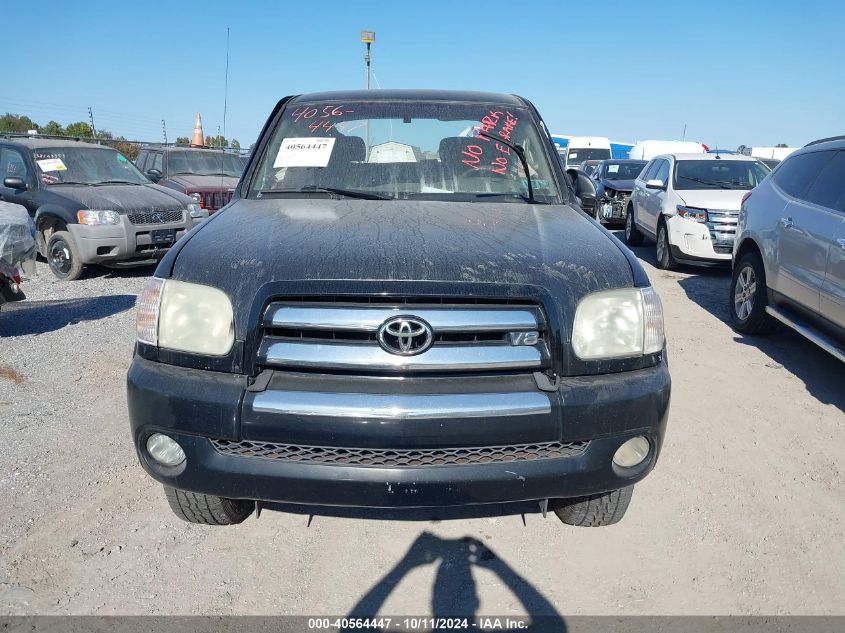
column 743, row 514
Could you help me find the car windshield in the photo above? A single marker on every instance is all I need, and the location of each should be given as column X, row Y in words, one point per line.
column 718, row 174
column 623, row 171
column 578, row 155
column 205, row 163
column 434, row 150
column 85, row 166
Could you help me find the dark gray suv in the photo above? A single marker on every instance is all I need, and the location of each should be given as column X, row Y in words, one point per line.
column 789, row 255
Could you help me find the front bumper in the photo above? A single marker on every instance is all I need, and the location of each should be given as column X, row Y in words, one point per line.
column 614, row 209
column 194, row 407
column 126, row 241
column 693, row 242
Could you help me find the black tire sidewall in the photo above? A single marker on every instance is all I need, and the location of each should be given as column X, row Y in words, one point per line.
column 76, row 263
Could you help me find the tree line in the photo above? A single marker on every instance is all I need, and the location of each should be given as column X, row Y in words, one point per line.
column 22, row 124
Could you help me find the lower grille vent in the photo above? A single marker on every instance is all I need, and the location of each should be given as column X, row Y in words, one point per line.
column 409, row 458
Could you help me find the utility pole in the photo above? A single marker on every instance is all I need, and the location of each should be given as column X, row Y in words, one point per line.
column 164, row 130
column 685, row 133
column 91, row 118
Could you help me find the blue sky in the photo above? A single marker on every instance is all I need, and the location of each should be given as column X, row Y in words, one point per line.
column 752, row 72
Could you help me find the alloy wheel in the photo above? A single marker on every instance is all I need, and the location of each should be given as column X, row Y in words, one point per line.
column 661, row 244
column 744, row 292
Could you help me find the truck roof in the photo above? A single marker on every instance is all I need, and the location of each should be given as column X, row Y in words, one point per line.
column 33, row 141
column 412, row 95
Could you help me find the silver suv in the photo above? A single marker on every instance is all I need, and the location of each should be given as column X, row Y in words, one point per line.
column 789, row 254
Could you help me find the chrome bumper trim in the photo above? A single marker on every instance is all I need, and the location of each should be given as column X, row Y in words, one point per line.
column 401, row 407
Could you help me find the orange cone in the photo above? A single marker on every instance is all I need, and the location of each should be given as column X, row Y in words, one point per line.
column 199, row 139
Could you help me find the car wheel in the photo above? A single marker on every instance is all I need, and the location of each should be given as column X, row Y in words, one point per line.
column 748, row 296
column 633, row 237
column 63, row 256
column 665, row 259
column 595, row 510
column 207, row 509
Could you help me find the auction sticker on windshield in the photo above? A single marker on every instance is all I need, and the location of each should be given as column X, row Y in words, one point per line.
column 304, row 152
column 51, row 164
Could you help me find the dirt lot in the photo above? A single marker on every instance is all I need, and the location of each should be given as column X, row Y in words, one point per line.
column 743, row 515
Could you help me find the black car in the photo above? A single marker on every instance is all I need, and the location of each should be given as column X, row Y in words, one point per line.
column 90, row 204
column 433, row 324
column 614, row 180
column 206, row 175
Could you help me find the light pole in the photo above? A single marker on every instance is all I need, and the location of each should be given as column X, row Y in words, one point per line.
column 368, row 37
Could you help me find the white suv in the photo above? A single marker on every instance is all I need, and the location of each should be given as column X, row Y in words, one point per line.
column 689, row 205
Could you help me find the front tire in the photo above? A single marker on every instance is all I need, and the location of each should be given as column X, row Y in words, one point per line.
column 595, row 510
column 207, row 509
column 63, row 256
column 748, row 296
column 663, row 248
column 633, row 237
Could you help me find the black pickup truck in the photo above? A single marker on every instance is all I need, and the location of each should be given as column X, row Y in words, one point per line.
column 402, row 307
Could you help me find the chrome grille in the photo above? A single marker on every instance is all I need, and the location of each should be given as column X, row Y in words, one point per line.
column 400, row 458
column 342, row 336
column 722, row 226
column 156, row 217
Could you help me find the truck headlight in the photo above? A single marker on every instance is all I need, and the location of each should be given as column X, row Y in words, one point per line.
column 195, row 211
column 197, row 197
column 692, row 213
column 618, row 323
column 96, row 216
column 185, row 317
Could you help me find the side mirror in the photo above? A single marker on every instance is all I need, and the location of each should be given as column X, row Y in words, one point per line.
column 154, row 175
column 13, row 182
column 655, row 184
column 585, row 189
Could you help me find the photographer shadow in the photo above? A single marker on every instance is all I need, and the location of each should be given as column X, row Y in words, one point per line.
column 454, row 594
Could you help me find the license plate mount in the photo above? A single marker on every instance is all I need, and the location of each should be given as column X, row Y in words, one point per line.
column 163, row 236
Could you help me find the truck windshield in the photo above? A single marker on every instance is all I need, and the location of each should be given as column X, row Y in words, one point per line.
column 431, row 150
column 85, row 166
column 578, row 155
column 718, row 174
column 624, row 171
column 205, row 163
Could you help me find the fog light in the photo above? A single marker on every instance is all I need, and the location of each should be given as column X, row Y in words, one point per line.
column 632, row 452
column 165, row 450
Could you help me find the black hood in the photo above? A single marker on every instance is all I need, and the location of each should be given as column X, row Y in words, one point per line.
column 122, row 198
column 617, row 185
column 316, row 242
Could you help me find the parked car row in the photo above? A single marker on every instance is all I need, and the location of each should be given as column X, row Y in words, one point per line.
column 91, row 205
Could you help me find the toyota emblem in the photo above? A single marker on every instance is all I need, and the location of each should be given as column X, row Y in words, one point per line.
column 405, row 336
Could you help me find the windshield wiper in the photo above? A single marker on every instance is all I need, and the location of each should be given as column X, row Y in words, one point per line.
column 717, row 183
column 348, row 193
column 518, row 196
column 115, row 182
column 69, row 182
column 520, row 152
